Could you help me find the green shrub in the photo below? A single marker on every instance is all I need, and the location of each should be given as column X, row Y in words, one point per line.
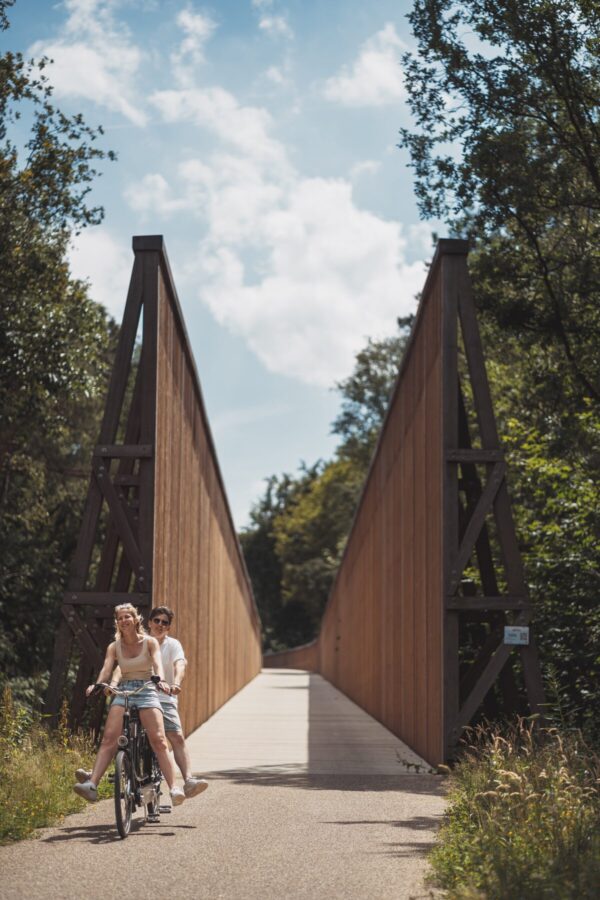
column 523, row 819
column 37, row 770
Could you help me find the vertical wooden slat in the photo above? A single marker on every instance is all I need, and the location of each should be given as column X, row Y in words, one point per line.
column 93, row 504
column 198, row 566
column 180, row 544
column 381, row 634
column 450, row 296
column 396, row 600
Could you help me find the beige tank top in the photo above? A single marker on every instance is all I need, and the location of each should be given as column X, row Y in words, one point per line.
column 137, row 668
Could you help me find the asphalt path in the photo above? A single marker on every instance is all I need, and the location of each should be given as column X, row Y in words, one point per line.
column 300, row 806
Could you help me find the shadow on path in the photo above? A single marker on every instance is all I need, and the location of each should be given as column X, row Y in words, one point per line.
column 409, row 784
column 107, row 834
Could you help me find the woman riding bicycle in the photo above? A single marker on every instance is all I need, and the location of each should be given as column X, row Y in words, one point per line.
column 138, row 656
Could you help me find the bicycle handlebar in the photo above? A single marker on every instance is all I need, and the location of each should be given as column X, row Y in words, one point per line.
column 102, row 685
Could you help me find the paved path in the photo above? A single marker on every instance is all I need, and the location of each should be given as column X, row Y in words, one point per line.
column 310, row 799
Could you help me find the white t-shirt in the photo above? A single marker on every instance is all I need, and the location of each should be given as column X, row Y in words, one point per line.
column 170, row 650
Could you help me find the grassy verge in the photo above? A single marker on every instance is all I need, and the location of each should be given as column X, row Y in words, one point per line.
column 37, row 771
column 523, row 819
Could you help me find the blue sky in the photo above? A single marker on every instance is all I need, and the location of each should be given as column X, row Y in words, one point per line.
column 258, row 136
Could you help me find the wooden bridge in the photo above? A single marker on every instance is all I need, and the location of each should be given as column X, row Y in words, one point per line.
column 430, row 592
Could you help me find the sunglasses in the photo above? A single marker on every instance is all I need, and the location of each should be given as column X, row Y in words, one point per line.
column 164, row 622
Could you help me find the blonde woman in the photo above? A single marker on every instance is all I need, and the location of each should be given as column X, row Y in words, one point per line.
column 138, row 656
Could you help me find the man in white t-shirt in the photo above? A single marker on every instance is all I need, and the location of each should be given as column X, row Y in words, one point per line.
column 174, row 664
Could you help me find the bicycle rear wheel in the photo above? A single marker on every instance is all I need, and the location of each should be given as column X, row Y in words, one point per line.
column 124, row 793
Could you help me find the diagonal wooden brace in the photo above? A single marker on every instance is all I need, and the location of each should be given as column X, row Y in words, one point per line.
column 487, row 678
column 85, row 641
column 121, row 521
column 476, row 523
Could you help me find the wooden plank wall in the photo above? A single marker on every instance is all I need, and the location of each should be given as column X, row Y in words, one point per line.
column 381, row 634
column 198, row 567
column 305, row 657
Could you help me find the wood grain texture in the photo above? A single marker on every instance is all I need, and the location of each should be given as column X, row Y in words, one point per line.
column 198, row 568
column 304, row 657
column 381, row 636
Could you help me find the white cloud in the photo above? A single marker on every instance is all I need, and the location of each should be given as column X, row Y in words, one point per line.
column 233, row 419
column 419, row 239
column 366, row 166
column 335, row 274
column 375, row 77
column 97, row 257
column 276, row 75
column 245, row 127
column 275, row 26
column 96, row 61
column 153, row 195
column 291, row 264
column 198, row 29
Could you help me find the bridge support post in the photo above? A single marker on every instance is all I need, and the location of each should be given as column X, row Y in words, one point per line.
column 480, row 544
column 113, row 559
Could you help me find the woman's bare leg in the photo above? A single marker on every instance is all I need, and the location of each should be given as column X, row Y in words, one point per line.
column 112, row 730
column 152, row 720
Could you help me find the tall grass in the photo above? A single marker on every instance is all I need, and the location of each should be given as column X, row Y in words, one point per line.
column 36, row 770
column 523, row 821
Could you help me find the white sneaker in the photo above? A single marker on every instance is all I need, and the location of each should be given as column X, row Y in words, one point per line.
column 87, row 790
column 194, row 786
column 177, row 796
column 82, row 775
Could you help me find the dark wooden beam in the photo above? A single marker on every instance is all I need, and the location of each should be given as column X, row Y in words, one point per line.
column 148, row 251
column 474, row 527
column 450, row 299
column 474, row 455
column 83, row 637
column 121, row 521
column 478, row 602
column 110, row 598
column 114, row 451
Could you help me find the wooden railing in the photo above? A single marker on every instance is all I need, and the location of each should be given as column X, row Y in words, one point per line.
column 422, row 565
column 305, row 657
column 156, row 515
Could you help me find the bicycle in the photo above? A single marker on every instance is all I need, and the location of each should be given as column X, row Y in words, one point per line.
column 137, row 775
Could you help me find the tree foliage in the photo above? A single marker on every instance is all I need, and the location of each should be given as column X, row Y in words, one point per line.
column 366, row 393
column 506, row 147
column 298, row 529
column 55, row 350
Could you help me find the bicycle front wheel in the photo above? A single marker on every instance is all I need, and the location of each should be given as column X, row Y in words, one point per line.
column 124, row 791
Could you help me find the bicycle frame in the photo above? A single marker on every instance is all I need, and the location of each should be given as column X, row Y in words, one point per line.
column 137, row 773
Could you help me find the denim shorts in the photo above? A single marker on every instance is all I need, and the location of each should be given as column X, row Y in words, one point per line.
column 171, row 715
column 146, row 699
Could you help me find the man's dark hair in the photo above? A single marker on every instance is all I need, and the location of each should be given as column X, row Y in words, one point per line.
column 163, row 610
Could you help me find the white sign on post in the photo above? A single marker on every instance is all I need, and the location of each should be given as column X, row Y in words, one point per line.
column 516, row 634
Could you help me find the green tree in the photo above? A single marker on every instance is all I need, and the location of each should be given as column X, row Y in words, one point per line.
column 506, row 148
column 298, row 531
column 55, row 350
column 366, row 393
column 258, row 543
column 556, row 501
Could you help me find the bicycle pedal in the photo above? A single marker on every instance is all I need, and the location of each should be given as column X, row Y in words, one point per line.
column 111, row 778
column 153, row 819
column 165, row 809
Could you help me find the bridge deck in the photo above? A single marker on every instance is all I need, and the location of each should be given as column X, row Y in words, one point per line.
column 291, row 721
column 308, row 800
